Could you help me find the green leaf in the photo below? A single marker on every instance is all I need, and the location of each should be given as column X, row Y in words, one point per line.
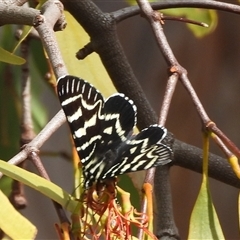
column 13, row 223
column 91, row 68
column 8, row 57
column 42, row 185
column 204, row 223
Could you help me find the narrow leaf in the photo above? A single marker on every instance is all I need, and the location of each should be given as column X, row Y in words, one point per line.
column 13, row 223
column 42, row 185
column 8, row 57
column 204, row 223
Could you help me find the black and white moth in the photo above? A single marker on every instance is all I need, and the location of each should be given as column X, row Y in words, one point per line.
column 102, row 132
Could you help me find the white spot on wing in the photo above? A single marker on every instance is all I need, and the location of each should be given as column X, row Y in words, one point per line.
column 133, row 150
column 108, row 130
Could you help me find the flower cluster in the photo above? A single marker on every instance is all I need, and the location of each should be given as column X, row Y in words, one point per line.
column 102, row 217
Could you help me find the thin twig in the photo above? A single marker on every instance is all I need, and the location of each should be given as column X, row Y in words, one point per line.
column 227, row 142
column 35, row 159
column 27, row 131
column 17, row 196
column 44, row 26
column 170, row 88
column 131, row 11
column 164, row 202
column 184, row 20
column 222, row 146
column 199, row 107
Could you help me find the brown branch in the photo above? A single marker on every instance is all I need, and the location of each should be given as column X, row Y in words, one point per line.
column 165, row 227
column 44, row 25
column 17, row 196
column 131, row 11
column 190, row 157
column 13, row 2
column 27, row 132
column 170, row 88
column 11, row 14
column 184, row 20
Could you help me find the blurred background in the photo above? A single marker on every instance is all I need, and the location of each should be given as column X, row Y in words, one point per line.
column 213, row 69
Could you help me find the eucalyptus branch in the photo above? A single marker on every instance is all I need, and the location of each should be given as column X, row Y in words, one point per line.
column 45, row 30
column 44, row 25
column 27, row 132
column 208, row 124
column 170, row 88
column 13, row 2
column 131, row 11
column 199, row 107
column 228, row 143
column 154, row 18
column 219, row 168
column 184, row 20
column 11, row 14
column 165, row 227
column 164, row 219
column 19, row 2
